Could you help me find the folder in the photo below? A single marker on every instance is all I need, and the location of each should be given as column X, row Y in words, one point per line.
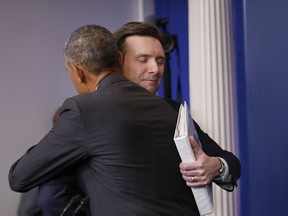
column 185, row 127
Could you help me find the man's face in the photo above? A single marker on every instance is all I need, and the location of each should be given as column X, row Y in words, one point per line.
column 144, row 62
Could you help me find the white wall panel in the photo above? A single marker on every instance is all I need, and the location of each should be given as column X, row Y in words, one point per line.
column 212, row 82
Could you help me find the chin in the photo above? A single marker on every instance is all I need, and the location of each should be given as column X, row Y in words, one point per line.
column 152, row 90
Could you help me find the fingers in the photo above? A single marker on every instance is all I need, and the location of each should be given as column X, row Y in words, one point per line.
column 194, row 173
column 194, row 144
column 196, row 148
column 194, row 181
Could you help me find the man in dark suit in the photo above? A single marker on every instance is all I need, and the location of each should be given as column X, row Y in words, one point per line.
column 119, row 135
column 141, row 60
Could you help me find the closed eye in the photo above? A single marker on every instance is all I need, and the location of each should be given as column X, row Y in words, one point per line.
column 160, row 60
column 143, row 59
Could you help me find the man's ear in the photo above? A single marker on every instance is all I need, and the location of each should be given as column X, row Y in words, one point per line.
column 79, row 73
column 120, row 58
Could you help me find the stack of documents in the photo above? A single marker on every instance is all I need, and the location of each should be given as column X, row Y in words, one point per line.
column 185, row 127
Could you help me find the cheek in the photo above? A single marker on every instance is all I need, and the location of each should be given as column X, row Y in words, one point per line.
column 128, row 74
column 72, row 79
column 134, row 72
column 161, row 71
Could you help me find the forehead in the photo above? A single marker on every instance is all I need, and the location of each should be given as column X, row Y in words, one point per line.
column 143, row 44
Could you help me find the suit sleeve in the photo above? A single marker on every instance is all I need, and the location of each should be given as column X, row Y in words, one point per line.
column 212, row 149
column 54, row 195
column 61, row 148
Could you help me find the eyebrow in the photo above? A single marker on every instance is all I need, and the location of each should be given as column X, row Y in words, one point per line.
column 148, row 55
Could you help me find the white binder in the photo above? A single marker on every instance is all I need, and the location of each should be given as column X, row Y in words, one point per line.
column 185, row 127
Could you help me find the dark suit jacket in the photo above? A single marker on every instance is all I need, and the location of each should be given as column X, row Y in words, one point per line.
column 124, row 134
column 55, row 194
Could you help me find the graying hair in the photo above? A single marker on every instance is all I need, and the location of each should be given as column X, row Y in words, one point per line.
column 92, row 47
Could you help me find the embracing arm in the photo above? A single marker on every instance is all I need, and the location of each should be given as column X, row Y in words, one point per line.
column 62, row 147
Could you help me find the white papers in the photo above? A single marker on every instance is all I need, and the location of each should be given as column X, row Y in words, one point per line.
column 185, row 127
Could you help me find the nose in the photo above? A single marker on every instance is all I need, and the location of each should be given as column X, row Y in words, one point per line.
column 153, row 66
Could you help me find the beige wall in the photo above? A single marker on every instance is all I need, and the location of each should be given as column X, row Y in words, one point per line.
column 33, row 79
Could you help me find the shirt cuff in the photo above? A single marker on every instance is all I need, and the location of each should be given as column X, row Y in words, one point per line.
column 224, row 175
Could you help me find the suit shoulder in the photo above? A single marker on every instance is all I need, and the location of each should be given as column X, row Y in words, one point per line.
column 173, row 103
